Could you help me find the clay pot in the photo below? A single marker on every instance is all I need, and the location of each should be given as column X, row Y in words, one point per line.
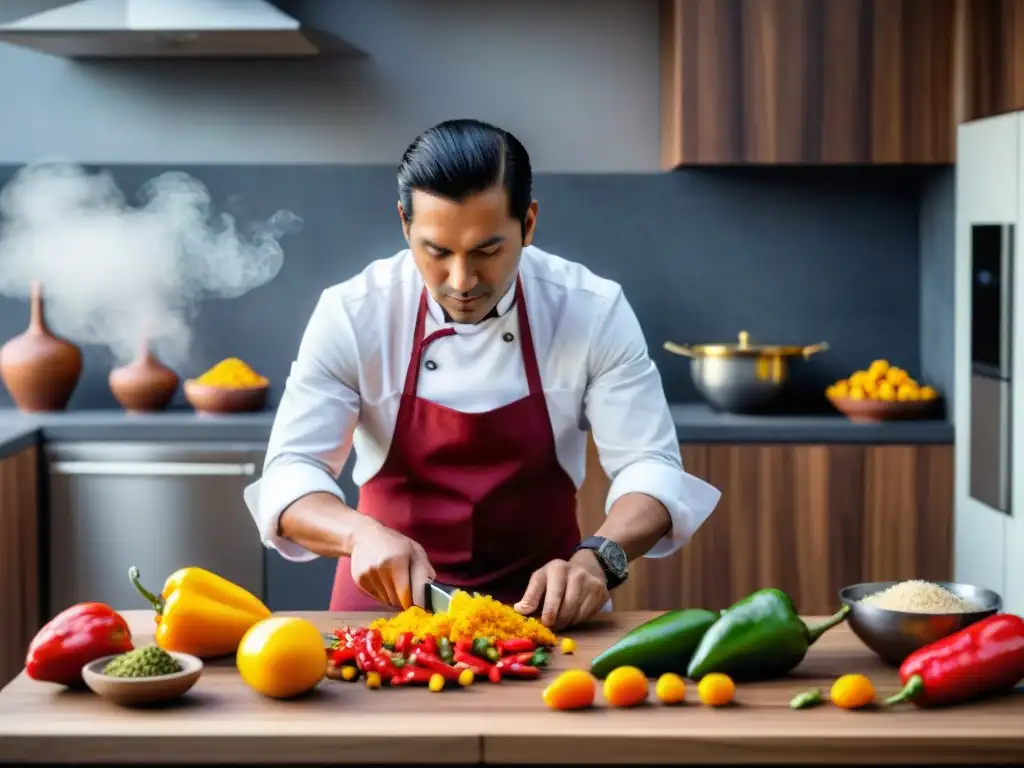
column 145, row 384
column 40, row 370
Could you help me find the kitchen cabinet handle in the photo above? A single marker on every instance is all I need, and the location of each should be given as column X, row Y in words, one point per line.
column 153, row 468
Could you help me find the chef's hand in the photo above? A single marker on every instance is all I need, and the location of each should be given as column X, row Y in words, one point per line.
column 390, row 567
column 570, row 591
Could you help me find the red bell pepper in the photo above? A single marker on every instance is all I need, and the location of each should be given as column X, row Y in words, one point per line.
column 984, row 658
column 74, row 637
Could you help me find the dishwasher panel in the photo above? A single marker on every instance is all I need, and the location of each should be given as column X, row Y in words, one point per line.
column 159, row 506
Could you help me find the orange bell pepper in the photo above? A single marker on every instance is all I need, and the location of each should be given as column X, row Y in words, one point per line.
column 201, row 613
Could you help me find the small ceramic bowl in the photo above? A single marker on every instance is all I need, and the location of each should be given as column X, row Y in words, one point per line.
column 873, row 411
column 207, row 399
column 139, row 691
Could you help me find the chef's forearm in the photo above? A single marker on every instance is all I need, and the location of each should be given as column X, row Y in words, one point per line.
column 636, row 522
column 323, row 524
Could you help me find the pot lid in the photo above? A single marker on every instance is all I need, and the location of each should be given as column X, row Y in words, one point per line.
column 744, row 348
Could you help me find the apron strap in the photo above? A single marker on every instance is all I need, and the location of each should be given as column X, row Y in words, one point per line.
column 419, row 343
column 412, row 373
column 526, row 336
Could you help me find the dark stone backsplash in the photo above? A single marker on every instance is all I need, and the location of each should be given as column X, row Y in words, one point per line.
column 792, row 255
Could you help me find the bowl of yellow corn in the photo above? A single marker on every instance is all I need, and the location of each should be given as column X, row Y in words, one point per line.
column 883, row 392
column 230, row 386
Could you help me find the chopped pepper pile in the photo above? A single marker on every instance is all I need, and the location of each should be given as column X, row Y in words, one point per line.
column 429, row 660
column 468, row 616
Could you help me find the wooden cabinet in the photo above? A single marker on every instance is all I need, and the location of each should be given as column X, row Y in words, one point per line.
column 19, row 559
column 809, row 519
column 993, row 46
column 808, row 81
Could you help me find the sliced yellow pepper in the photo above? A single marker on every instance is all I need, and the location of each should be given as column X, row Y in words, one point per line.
column 201, row 613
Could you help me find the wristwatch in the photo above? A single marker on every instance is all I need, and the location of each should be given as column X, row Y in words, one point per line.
column 610, row 555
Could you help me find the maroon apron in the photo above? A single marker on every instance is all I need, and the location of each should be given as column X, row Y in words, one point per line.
column 482, row 493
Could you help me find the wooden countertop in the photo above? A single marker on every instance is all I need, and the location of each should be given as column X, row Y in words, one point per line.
column 221, row 720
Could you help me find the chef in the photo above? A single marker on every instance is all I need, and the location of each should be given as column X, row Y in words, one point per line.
column 465, row 372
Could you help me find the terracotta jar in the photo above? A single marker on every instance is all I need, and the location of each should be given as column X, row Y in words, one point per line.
column 40, row 370
column 145, row 384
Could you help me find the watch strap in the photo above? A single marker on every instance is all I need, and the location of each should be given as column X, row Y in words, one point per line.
column 594, row 543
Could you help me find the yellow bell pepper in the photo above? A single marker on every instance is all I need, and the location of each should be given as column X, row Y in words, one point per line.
column 201, row 613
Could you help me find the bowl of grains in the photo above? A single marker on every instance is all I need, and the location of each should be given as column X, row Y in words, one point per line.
column 895, row 618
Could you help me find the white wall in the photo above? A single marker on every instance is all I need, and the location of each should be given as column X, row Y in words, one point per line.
column 576, row 81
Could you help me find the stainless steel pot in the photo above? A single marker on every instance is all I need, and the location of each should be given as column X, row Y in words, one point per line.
column 741, row 377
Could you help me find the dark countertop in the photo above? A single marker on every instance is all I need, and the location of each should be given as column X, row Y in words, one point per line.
column 20, row 429
column 696, row 423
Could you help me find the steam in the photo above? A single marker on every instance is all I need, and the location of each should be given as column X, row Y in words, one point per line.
column 114, row 274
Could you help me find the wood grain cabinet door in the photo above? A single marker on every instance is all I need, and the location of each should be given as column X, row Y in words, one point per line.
column 20, row 617
column 808, row 81
column 808, row 519
column 993, row 57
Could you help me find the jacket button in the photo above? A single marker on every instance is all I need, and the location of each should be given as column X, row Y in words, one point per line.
column 430, row 365
column 508, row 336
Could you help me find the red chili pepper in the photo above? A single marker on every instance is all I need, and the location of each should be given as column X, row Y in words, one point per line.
column 374, row 640
column 985, row 657
column 494, row 674
column 404, row 643
column 432, row 662
column 385, row 666
column 340, row 655
column 521, row 658
column 408, row 675
column 377, row 658
column 429, row 644
column 349, row 636
column 479, row 666
column 464, row 645
column 515, row 645
column 73, row 638
column 517, row 670
column 363, row 661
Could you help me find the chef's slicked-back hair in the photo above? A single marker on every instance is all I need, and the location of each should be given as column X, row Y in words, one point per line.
column 459, row 158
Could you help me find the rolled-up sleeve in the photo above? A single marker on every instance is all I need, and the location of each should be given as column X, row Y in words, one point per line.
column 632, row 427
column 312, row 433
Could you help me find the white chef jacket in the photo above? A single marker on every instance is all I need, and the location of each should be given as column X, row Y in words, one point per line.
column 346, row 382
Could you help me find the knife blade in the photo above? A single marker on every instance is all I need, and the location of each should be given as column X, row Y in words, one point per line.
column 438, row 597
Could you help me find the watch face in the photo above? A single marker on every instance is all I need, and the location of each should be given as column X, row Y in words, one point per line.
column 615, row 557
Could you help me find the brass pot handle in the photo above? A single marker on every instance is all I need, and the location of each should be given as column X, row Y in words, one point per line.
column 813, row 348
column 678, row 349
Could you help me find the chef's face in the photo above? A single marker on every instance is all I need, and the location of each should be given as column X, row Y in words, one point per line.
column 467, row 252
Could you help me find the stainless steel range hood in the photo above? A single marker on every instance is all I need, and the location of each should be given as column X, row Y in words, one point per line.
column 128, row 29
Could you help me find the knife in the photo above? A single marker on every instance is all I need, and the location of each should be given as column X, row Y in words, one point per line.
column 438, row 597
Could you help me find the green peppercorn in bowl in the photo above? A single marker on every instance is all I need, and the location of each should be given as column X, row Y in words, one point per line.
column 896, row 618
column 146, row 675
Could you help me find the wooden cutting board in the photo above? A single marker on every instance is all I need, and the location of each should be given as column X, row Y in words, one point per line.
column 222, row 720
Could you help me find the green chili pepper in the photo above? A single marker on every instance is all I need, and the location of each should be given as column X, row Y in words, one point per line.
column 444, row 650
column 539, row 658
column 663, row 644
column 483, row 648
column 757, row 638
column 806, row 699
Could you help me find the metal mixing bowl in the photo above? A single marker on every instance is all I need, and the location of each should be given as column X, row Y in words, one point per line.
column 742, row 377
column 894, row 635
